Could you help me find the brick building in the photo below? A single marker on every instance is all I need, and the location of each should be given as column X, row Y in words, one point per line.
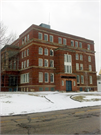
column 43, row 59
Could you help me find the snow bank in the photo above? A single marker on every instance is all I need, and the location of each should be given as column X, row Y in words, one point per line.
column 12, row 103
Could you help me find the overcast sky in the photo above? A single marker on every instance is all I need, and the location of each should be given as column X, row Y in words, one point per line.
column 77, row 17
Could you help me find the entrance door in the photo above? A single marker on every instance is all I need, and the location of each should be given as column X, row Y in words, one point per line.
column 68, row 86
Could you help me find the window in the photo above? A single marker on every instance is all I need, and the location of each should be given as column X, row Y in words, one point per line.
column 22, row 65
column 22, row 54
column 22, row 41
column 76, row 44
column 89, row 58
column 28, row 37
column 40, row 35
column 45, row 37
column 64, row 41
column 81, row 66
column 62, row 83
column 90, row 68
column 14, row 63
column 77, row 66
column 40, row 50
column 88, row 47
column 78, row 79
column 81, row 57
column 67, row 63
column 46, row 77
column 10, row 64
column 77, row 57
column 40, row 62
column 51, row 63
column 51, row 52
column 40, row 77
column 24, row 78
column 40, row 89
column 28, row 63
column 59, row 40
column 90, row 79
column 46, row 63
column 82, row 79
column 46, row 51
column 52, row 77
column 51, row 38
column 80, row 44
column 72, row 43
column 74, row 83
column 27, row 52
column 25, row 39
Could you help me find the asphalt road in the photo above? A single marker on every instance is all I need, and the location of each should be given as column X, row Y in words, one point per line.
column 85, row 120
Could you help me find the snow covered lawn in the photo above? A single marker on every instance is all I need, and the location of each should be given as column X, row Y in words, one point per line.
column 12, row 103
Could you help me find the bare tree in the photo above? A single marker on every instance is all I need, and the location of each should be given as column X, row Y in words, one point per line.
column 4, row 39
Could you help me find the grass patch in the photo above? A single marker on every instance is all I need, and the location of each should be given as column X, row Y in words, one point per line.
column 81, row 98
column 78, row 98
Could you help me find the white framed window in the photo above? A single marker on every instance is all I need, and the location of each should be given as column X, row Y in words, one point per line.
column 89, row 58
column 24, row 78
column 46, row 37
column 45, row 51
column 45, row 62
column 28, row 63
column 64, row 41
column 22, row 54
column 25, row 64
column 27, row 52
column 46, row 77
column 80, row 44
column 76, row 43
column 51, row 38
column 59, row 40
column 22, row 65
column 51, row 63
column 40, row 77
column 62, row 83
column 28, row 37
column 81, row 57
column 90, row 79
column 39, row 35
column 77, row 56
column 78, row 79
column 82, row 79
column 40, row 62
column 51, row 52
column 67, row 63
column 90, row 68
column 52, row 77
column 88, row 47
column 40, row 50
column 72, row 43
column 77, row 66
column 81, row 66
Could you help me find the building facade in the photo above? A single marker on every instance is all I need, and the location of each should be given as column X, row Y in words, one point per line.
column 42, row 59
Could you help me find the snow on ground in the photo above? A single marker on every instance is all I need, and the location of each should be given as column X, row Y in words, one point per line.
column 12, row 103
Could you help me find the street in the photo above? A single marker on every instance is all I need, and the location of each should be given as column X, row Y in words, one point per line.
column 84, row 120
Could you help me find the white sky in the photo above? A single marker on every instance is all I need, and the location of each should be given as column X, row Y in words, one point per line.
column 77, row 17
